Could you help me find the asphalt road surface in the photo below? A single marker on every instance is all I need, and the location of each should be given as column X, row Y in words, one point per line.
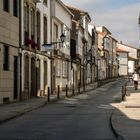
column 82, row 117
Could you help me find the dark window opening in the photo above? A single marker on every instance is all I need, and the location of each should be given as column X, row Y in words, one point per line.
column 6, row 5
column 6, row 58
column 38, row 30
column 15, row 8
column 45, row 30
column 73, row 49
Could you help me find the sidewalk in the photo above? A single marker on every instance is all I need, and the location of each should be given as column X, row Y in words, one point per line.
column 126, row 117
column 12, row 110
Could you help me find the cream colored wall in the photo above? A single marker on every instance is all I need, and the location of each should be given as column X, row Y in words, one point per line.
column 45, row 11
column 100, row 41
column 132, row 51
column 9, row 31
column 9, row 35
column 6, row 77
column 123, row 63
column 62, row 15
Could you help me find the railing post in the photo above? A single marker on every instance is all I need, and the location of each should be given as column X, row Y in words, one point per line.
column 66, row 90
column 48, row 94
column 125, row 90
column 58, row 92
column 79, row 87
column 123, row 93
column 73, row 90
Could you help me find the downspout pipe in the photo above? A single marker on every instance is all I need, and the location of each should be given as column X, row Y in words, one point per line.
column 20, row 48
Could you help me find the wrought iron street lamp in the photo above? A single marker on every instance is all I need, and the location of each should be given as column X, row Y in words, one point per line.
column 139, row 28
column 63, row 38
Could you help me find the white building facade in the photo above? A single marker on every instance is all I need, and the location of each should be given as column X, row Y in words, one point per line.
column 123, row 62
column 35, row 64
column 61, row 19
column 132, row 56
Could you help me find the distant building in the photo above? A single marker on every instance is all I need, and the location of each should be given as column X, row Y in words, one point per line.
column 123, row 62
column 94, row 34
column 132, row 56
column 113, row 57
column 81, row 46
column 104, row 45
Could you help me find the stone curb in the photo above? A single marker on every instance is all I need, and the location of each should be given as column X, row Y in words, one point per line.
column 119, row 137
column 20, row 113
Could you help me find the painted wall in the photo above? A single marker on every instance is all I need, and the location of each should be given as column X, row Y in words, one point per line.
column 9, row 36
column 123, row 63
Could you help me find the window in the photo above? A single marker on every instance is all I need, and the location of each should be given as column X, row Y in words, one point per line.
column 82, row 21
column 45, row 30
column 6, row 5
column 67, row 34
column 38, row 28
column 6, row 57
column 26, row 17
column 45, row 1
column 15, row 8
column 55, row 35
column 26, row 23
column 32, row 22
column 65, row 66
column 58, row 68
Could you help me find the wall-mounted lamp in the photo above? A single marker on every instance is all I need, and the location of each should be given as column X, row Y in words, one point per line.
column 63, row 38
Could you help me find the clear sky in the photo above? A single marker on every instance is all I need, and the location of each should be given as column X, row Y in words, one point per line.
column 119, row 16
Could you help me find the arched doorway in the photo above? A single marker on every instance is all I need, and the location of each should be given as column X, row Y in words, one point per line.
column 45, row 77
column 37, row 76
column 26, row 77
column 33, row 77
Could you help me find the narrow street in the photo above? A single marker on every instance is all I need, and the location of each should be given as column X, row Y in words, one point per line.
column 82, row 117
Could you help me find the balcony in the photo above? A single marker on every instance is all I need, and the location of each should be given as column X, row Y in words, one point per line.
column 30, row 42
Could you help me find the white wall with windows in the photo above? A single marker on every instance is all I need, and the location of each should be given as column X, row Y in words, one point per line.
column 123, row 63
column 61, row 23
column 35, row 30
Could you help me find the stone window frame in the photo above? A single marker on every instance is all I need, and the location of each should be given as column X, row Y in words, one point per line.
column 6, row 56
column 45, row 20
column 38, row 27
column 6, row 5
column 65, row 69
column 15, row 8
